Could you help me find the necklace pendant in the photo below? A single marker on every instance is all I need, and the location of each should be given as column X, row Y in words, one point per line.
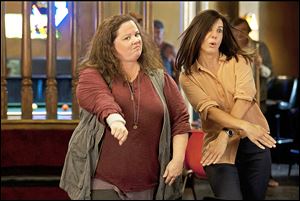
column 135, row 126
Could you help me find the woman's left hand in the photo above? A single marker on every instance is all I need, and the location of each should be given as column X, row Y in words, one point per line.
column 173, row 170
column 215, row 149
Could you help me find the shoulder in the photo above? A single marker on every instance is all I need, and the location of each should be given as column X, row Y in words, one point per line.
column 167, row 77
column 91, row 74
column 239, row 59
column 238, row 64
column 185, row 79
column 88, row 70
column 183, row 76
column 195, row 72
column 156, row 75
column 155, row 72
column 242, row 65
column 162, row 76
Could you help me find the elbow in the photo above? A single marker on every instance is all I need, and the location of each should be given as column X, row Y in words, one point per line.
column 79, row 96
column 82, row 98
column 210, row 113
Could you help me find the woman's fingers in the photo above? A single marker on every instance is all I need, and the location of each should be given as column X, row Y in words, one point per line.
column 210, row 157
column 119, row 131
column 261, row 137
column 123, row 138
column 268, row 141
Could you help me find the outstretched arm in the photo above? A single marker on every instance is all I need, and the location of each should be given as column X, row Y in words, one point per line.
column 94, row 95
column 257, row 134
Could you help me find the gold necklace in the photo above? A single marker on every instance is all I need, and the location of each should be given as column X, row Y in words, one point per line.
column 136, row 111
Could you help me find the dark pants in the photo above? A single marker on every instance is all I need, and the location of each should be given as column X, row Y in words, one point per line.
column 247, row 179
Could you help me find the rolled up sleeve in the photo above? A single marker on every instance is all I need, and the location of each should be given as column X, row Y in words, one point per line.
column 203, row 109
column 179, row 115
column 199, row 100
column 245, row 85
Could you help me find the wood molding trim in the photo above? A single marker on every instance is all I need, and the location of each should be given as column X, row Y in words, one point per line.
column 29, row 124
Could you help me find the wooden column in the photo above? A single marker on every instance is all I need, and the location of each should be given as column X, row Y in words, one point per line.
column 74, row 57
column 51, row 85
column 100, row 12
column 123, row 7
column 26, row 68
column 147, row 16
column 3, row 65
column 257, row 77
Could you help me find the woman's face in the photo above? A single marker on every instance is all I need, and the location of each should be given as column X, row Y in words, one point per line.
column 213, row 38
column 241, row 35
column 128, row 42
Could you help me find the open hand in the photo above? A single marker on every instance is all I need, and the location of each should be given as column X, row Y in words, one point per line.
column 173, row 170
column 259, row 136
column 215, row 149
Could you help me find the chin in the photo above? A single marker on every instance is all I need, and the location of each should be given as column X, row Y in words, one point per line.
column 137, row 55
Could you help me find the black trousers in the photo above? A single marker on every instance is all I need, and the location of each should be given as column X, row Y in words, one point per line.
column 247, row 179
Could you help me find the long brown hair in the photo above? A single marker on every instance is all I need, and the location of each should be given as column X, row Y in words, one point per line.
column 194, row 35
column 101, row 53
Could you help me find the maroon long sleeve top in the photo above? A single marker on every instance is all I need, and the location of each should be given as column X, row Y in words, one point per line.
column 134, row 166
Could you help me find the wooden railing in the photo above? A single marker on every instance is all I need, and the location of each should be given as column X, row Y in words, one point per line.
column 78, row 40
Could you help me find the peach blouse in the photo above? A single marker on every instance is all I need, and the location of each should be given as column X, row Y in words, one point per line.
column 234, row 80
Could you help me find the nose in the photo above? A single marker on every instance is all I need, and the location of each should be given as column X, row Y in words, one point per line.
column 135, row 40
column 214, row 34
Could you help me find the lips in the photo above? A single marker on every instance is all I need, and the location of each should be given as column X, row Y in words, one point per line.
column 137, row 47
column 212, row 44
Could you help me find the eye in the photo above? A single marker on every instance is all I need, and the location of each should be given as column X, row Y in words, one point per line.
column 137, row 34
column 126, row 38
column 219, row 30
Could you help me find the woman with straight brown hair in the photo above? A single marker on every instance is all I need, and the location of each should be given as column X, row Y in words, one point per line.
column 218, row 82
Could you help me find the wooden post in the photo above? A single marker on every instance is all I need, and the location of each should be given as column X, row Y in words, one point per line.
column 100, row 12
column 51, row 85
column 26, row 68
column 123, row 7
column 3, row 65
column 147, row 17
column 74, row 58
column 257, row 77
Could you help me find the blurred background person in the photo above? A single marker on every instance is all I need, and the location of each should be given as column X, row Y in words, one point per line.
column 167, row 50
column 262, row 60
